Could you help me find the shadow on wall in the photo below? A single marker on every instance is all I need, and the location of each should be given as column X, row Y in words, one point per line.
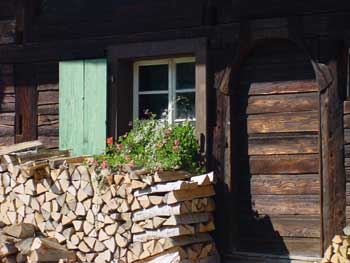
column 270, row 226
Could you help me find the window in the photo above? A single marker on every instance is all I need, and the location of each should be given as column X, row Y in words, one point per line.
column 165, row 85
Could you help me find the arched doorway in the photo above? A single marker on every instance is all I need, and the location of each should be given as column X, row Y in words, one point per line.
column 277, row 153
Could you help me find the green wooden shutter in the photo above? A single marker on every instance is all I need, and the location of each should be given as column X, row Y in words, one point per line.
column 83, row 96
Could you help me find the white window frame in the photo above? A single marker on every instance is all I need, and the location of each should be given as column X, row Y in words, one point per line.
column 171, row 62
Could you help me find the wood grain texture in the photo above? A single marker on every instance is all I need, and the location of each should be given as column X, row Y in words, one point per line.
column 287, row 204
column 346, row 136
column 347, row 121
column 282, row 103
column 291, row 246
column 283, row 87
column 346, row 107
column 288, row 164
column 302, row 184
column 285, row 226
column 283, row 145
column 331, row 111
column 272, row 123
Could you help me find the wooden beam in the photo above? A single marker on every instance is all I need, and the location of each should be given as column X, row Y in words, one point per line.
column 26, row 103
column 332, row 166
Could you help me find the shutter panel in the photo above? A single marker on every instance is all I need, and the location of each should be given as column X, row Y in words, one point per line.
column 83, row 87
column 95, row 106
column 71, row 108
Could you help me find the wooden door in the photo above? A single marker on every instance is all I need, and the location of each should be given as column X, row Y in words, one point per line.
column 83, row 106
column 279, row 208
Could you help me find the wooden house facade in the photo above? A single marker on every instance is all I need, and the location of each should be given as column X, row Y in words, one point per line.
column 267, row 81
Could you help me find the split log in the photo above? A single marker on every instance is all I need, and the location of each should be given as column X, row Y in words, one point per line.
column 20, row 231
column 167, row 187
column 183, row 195
column 164, row 232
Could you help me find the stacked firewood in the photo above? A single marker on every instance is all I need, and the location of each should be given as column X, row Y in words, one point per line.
column 22, row 243
column 339, row 251
column 129, row 216
column 166, row 210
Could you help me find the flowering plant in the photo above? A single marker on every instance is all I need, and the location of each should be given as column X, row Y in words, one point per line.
column 154, row 144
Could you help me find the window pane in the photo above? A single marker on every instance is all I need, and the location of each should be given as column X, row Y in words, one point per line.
column 153, row 77
column 185, row 105
column 185, row 76
column 155, row 103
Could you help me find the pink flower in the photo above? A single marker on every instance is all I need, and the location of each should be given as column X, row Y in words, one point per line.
column 93, row 162
column 175, row 148
column 131, row 164
column 119, row 147
column 165, row 141
column 167, row 132
column 125, row 135
column 127, row 157
column 104, row 165
column 109, row 140
column 176, row 142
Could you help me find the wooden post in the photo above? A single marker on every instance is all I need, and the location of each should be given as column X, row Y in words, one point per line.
column 332, row 166
column 26, row 103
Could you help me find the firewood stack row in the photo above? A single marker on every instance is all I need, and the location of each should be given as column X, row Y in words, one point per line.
column 129, row 216
column 339, row 251
column 21, row 243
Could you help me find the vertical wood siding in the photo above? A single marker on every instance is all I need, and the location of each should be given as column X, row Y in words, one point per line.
column 82, row 100
column 71, row 115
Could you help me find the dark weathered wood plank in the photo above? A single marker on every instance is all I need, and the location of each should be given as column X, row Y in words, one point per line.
column 347, row 162
column 346, row 107
column 285, row 226
column 302, row 184
column 48, row 120
column 332, row 164
column 291, row 246
column 271, row 123
column 283, row 87
column 347, row 121
column 48, row 97
column 286, row 204
column 283, row 145
column 282, row 103
column 26, row 103
column 289, row 164
column 346, row 136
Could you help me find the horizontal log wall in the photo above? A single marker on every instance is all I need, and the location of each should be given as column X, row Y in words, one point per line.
column 279, row 178
column 47, row 87
column 7, row 105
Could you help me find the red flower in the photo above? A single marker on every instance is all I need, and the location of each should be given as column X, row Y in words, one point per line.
column 127, row 157
column 176, row 142
column 109, row 140
column 104, row 165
